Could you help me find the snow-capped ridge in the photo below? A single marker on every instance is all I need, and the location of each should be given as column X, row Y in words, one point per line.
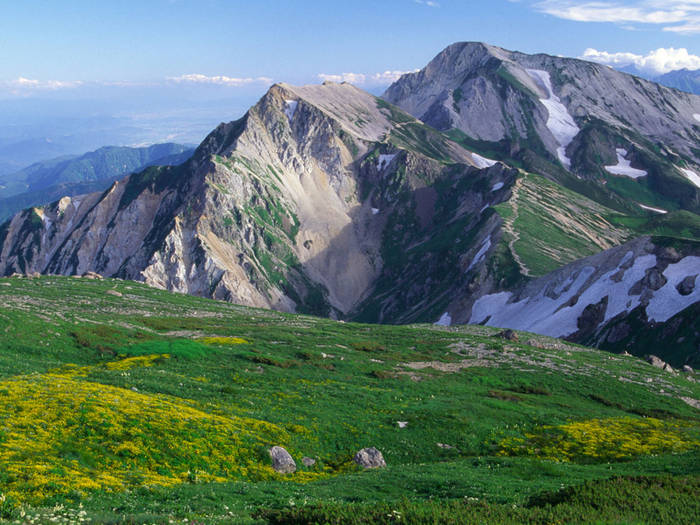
column 612, row 283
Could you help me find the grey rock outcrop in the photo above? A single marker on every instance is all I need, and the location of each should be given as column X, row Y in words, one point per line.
column 595, row 300
column 282, row 461
column 280, row 209
column 659, row 363
column 369, row 458
column 486, row 91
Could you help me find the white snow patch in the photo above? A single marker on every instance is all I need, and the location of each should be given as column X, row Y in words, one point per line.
column 384, row 160
column 666, row 301
column 549, row 316
column 657, row 210
column 623, row 166
column 560, row 123
column 696, row 116
column 76, row 204
column 445, row 320
column 497, row 186
column 375, row 211
column 691, row 176
column 482, row 162
column 481, row 253
column 482, row 209
column 291, row 108
column 402, row 424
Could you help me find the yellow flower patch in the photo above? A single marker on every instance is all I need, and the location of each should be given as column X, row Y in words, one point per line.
column 133, row 362
column 60, row 434
column 603, row 440
column 223, row 341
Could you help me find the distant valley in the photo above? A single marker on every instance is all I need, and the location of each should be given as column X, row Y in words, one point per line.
column 46, row 181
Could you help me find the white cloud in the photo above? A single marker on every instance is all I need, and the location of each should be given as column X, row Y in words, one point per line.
column 352, row 78
column 26, row 84
column 376, row 79
column 656, row 62
column 429, row 3
column 680, row 16
column 220, row 80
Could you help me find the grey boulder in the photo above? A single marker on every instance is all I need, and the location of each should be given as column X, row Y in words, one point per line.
column 369, row 458
column 282, row 462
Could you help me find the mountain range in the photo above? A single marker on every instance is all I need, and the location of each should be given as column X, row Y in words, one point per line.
column 687, row 80
column 529, row 191
column 48, row 180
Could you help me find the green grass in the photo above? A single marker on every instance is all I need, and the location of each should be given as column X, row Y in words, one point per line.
column 557, row 226
column 329, row 389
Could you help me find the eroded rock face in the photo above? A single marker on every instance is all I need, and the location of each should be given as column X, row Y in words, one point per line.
column 282, row 461
column 591, row 300
column 370, row 458
column 287, row 208
column 487, row 92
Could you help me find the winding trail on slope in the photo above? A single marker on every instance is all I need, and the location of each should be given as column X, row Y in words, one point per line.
column 509, row 226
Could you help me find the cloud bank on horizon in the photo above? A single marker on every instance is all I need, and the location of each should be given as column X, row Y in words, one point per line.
column 377, row 79
column 677, row 16
column 657, row 62
column 220, row 80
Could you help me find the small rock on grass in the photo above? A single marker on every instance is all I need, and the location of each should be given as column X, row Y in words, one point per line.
column 369, row 458
column 282, row 461
column 308, row 462
column 508, row 335
column 658, row 363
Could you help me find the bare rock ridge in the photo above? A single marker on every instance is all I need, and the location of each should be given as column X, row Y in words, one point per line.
column 286, row 208
column 571, row 113
column 610, row 299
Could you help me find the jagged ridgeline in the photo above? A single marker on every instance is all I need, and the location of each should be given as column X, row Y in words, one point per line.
column 321, row 199
column 485, row 172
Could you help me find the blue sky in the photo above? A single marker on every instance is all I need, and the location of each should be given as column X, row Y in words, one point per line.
column 149, row 41
column 162, row 55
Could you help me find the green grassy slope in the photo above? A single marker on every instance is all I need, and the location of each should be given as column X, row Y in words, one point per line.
column 146, row 406
column 555, row 226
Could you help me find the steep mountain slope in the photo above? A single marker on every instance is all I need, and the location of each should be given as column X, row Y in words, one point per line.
column 605, row 157
column 641, row 296
column 328, row 200
column 286, row 208
column 570, row 120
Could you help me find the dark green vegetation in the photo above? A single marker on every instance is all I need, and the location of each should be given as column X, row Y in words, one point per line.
column 326, row 389
column 50, row 180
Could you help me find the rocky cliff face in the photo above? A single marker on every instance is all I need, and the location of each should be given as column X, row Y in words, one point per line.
column 562, row 116
column 640, row 296
column 287, row 208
